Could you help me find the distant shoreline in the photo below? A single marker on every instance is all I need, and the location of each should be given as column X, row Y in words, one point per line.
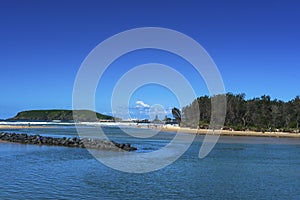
column 230, row 133
column 178, row 129
column 25, row 127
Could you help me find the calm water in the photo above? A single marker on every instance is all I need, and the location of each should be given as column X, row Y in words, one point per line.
column 237, row 168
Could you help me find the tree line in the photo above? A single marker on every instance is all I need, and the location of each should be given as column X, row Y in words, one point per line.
column 257, row 114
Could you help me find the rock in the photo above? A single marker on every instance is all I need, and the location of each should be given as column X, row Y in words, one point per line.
column 69, row 142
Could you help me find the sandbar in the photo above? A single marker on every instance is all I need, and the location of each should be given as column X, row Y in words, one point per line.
column 181, row 129
column 228, row 132
column 24, row 127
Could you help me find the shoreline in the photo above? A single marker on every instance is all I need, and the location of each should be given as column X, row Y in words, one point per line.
column 229, row 133
column 180, row 129
column 25, row 127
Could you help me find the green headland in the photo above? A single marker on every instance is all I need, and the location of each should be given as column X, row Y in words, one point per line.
column 63, row 115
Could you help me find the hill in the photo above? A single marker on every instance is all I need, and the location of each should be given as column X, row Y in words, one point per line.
column 64, row 115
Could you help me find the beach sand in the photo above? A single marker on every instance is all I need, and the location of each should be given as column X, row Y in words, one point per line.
column 230, row 133
column 183, row 130
column 2, row 127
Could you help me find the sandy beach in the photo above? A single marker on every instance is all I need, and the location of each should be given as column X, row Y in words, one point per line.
column 2, row 127
column 230, row 133
column 183, row 130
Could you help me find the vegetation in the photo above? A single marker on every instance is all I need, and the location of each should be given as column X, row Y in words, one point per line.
column 257, row 114
column 177, row 115
column 64, row 115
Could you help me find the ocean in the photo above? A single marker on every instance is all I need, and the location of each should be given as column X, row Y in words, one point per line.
column 237, row 168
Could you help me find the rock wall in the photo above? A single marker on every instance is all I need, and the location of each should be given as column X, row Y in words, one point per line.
column 68, row 142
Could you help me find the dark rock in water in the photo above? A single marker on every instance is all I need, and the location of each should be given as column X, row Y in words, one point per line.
column 68, row 142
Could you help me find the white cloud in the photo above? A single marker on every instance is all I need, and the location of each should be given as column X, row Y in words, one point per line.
column 141, row 104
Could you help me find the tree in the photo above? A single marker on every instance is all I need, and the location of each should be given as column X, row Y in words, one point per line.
column 167, row 119
column 177, row 115
column 258, row 114
column 296, row 108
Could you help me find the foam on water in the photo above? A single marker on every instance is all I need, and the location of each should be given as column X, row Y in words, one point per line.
column 25, row 123
column 45, row 123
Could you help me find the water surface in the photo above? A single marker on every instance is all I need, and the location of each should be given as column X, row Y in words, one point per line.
column 237, row 168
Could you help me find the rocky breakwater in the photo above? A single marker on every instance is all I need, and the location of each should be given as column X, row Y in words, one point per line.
column 68, row 142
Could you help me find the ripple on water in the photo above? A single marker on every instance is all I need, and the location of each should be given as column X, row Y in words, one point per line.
column 233, row 170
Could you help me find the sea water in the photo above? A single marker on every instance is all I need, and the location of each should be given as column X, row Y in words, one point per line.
column 237, row 168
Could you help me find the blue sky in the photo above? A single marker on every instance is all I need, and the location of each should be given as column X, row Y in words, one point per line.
column 255, row 45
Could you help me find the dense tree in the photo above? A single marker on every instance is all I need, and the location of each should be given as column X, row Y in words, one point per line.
column 295, row 103
column 261, row 114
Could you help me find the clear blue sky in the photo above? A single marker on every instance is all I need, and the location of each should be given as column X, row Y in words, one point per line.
column 255, row 44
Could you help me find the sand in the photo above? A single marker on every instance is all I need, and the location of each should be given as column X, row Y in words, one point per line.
column 230, row 133
column 24, row 127
column 184, row 130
